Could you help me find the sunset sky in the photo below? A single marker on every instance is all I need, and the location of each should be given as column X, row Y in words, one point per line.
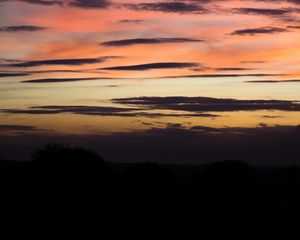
column 101, row 71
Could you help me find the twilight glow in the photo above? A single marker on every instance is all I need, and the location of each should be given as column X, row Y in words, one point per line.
column 98, row 71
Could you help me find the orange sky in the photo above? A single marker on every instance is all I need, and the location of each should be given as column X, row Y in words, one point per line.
column 76, row 32
column 248, row 40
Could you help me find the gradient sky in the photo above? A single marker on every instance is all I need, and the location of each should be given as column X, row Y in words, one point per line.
column 87, row 68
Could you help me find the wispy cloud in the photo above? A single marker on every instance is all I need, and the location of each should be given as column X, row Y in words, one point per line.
column 149, row 66
column 57, row 80
column 293, row 27
column 261, row 30
column 22, row 28
column 262, row 11
column 225, row 75
column 294, row 1
column 90, row 3
column 12, row 74
column 70, row 61
column 103, row 111
column 250, row 62
column 73, row 3
column 19, row 128
column 44, row 2
column 275, row 81
column 171, row 6
column 234, row 69
column 131, row 21
column 137, row 41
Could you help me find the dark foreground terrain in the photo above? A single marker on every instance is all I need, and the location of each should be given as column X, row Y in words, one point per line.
column 71, row 193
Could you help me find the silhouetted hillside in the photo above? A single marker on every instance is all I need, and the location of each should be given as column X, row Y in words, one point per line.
column 72, row 193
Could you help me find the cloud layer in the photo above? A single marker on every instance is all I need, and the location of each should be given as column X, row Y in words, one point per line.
column 205, row 104
column 184, row 107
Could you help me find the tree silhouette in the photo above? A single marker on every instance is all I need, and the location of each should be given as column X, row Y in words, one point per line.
column 75, row 181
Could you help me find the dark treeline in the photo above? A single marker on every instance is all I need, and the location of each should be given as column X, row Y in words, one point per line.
column 72, row 193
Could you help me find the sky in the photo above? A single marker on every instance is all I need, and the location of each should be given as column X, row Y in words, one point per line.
column 186, row 81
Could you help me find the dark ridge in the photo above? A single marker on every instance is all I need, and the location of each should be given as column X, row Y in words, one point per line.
column 72, row 193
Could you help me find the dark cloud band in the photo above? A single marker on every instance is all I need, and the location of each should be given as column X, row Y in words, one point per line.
column 173, row 6
column 22, row 28
column 137, row 41
column 225, row 75
column 262, row 11
column 149, row 66
column 71, row 61
column 262, row 30
column 205, row 104
column 102, row 111
column 73, row 3
column 57, row 80
column 275, row 81
column 9, row 74
column 90, row 3
column 234, row 69
column 18, row 128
